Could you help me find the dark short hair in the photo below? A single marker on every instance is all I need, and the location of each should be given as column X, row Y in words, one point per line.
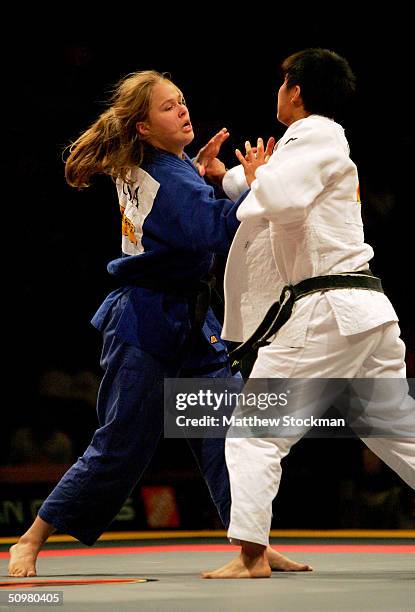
column 326, row 80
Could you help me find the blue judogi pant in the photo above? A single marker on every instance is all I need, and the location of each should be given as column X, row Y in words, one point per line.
column 131, row 419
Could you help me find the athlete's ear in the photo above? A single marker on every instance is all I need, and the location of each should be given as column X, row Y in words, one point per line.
column 142, row 128
column 296, row 95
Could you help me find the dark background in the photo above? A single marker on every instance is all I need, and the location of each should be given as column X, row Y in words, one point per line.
column 56, row 81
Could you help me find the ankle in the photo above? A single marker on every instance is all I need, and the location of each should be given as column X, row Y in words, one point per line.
column 33, row 539
column 253, row 550
column 37, row 534
column 29, row 540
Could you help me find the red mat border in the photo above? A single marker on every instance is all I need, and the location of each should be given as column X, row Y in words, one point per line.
column 141, row 550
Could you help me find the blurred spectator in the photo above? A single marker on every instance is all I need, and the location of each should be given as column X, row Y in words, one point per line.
column 80, row 386
column 30, row 445
column 76, row 394
column 41, row 440
column 51, row 431
column 375, row 498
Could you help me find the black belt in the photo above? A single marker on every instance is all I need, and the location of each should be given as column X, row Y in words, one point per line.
column 202, row 302
column 280, row 311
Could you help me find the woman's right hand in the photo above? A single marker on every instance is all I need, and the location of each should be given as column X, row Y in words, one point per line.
column 215, row 171
column 210, row 151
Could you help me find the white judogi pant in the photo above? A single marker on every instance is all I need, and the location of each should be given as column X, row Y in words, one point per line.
column 254, row 464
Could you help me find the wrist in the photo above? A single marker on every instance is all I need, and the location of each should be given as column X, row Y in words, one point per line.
column 216, row 178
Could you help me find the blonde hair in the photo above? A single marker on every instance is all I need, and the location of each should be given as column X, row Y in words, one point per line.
column 112, row 144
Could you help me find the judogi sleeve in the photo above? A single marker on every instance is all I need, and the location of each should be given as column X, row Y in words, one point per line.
column 195, row 219
column 234, row 183
column 307, row 159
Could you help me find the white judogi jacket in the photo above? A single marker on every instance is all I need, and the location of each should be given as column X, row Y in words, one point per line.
column 301, row 219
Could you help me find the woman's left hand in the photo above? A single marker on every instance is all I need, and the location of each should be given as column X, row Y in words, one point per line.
column 254, row 157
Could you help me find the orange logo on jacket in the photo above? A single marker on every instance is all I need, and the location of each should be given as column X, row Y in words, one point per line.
column 213, row 340
column 128, row 228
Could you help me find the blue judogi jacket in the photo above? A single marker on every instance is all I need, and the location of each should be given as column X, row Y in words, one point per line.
column 172, row 224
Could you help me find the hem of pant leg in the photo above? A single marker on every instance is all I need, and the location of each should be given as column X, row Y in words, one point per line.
column 60, row 526
column 235, row 537
column 88, row 541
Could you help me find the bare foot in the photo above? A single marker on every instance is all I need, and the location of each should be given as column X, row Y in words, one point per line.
column 242, row 567
column 279, row 563
column 23, row 557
